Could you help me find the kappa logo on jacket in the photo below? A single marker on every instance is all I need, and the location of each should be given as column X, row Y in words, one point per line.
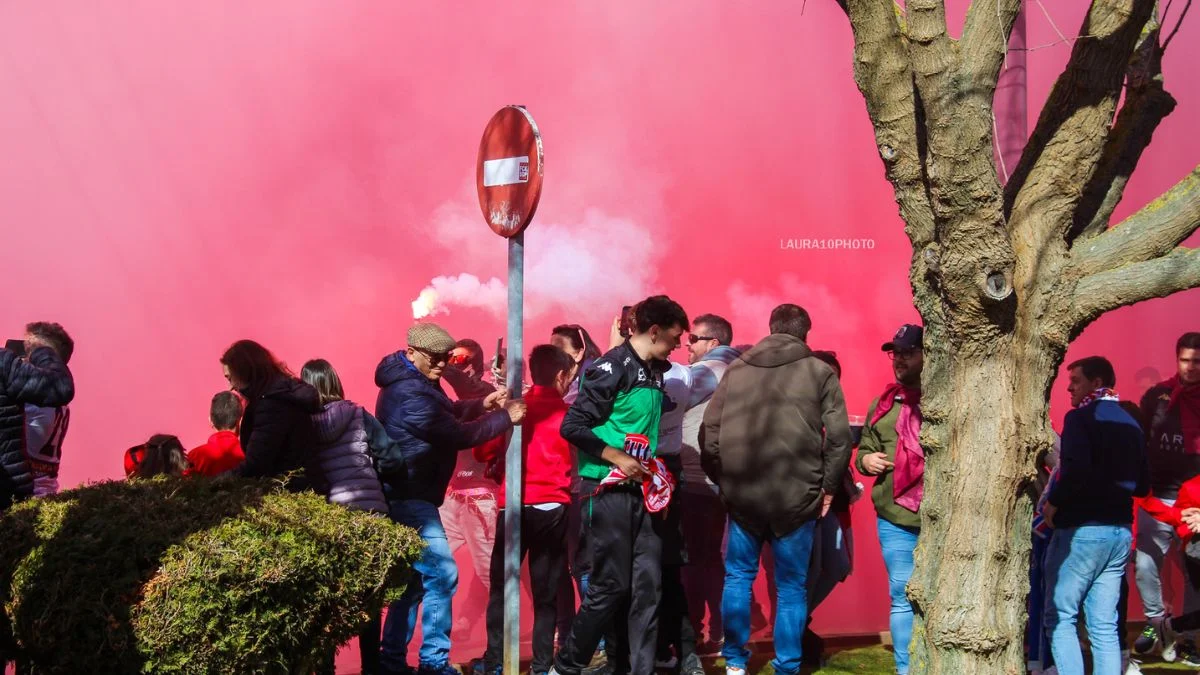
column 605, row 366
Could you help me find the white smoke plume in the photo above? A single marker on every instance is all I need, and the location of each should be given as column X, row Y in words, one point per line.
column 836, row 320
column 585, row 269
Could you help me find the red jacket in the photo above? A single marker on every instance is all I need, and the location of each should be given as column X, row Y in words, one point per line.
column 222, row 452
column 548, row 461
column 1189, row 498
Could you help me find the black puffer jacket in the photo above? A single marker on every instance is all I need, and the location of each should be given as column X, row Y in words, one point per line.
column 44, row 381
column 278, row 435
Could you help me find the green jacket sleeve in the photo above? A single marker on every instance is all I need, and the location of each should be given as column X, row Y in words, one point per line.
column 870, row 442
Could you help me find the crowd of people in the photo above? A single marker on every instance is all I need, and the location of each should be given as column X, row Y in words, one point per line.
column 653, row 491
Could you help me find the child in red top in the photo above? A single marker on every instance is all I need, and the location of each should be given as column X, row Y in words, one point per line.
column 1188, row 499
column 223, row 451
column 546, row 492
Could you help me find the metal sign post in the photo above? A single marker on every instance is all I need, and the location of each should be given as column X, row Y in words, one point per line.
column 509, row 180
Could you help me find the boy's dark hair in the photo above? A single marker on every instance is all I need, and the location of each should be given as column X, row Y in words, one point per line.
column 54, row 335
column 718, row 328
column 225, row 411
column 1096, row 368
column 790, row 319
column 661, row 311
column 831, row 359
column 546, row 362
column 1185, row 341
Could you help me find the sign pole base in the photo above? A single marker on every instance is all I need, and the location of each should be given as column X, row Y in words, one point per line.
column 513, row 472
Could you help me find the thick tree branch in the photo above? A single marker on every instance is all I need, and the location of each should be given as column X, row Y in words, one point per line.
column 984, row 43
column 1146, row 104
column 1065, row 146
column 1153, row 231
column 885, row 78
column 1158, row 278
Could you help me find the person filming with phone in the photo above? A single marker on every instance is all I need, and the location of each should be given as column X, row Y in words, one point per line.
column 31, row 371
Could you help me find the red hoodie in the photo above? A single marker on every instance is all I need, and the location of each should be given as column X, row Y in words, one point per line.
column 1189, row 498
column 548, row 461
column 221, row 453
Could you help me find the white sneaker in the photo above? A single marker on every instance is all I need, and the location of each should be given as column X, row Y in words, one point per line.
column 1132, row 668
column 669, row 664
column 1169, row 638
column 734, row 670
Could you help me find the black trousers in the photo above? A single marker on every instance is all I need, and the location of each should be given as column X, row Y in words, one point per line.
column 674, row 621
column 543, row 539
column 624, row 586
column 704, row 577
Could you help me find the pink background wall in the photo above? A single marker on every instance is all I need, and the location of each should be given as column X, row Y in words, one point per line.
column 176, row 176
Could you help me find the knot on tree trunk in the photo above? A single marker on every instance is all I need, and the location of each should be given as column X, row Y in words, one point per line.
column 997, row 285
column 956, row 635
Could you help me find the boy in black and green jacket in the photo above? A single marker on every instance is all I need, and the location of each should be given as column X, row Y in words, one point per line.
column 620, row 398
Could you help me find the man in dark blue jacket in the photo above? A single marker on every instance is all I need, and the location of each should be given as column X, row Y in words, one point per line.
column 1102, row 467
column 428, row 430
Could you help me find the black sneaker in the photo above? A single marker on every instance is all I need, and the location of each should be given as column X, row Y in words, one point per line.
column 1147, row 641
column 1188, row 655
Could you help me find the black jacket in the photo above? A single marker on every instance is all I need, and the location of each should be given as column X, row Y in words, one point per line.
column 1170, row 463
column 428, row 431
column 278, row 435
column 43, row 380
column 1102, row 467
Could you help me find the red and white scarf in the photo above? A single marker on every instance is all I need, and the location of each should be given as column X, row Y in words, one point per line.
column 659, row 483
column 1101, row 394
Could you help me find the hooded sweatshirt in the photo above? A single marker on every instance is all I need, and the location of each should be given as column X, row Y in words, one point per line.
column 764, row 436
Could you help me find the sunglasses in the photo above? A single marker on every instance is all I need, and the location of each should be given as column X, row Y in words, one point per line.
column 693, row 338
column 459, row 359
column 442, row 357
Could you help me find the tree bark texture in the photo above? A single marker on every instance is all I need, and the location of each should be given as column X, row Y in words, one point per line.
column 1006, row 275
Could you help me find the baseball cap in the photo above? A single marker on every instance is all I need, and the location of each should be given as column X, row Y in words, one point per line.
column 909, row 336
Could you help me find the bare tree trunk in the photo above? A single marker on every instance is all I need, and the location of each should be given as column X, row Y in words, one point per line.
column 971, row 578
column 1005, row 277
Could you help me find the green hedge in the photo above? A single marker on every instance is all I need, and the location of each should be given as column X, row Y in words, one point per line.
column 191, row 576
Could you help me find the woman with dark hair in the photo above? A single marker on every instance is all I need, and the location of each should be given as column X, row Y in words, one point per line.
column 578, row 344
column 277, row 432
column 346, row 435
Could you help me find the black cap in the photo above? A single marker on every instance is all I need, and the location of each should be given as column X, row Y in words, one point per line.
column 908, row 337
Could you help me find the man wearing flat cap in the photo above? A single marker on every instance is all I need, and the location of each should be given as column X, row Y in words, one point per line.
column 429, row 430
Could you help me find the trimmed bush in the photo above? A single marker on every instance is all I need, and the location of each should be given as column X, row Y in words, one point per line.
column 192, row 576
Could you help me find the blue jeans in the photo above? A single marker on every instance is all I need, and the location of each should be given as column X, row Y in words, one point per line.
column 433, row 585
column 897, row 544
column 792, row 553
column 1083, row 569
